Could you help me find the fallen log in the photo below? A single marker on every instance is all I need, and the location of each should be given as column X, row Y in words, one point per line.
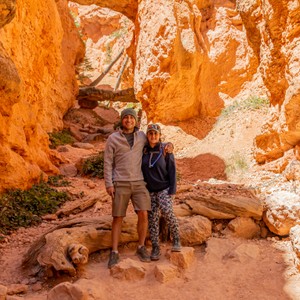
column 226, row 207
column 93, row 94
column 54, row 248
column 81, row 205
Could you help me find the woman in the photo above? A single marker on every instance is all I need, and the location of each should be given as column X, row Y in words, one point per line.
column 159, row 172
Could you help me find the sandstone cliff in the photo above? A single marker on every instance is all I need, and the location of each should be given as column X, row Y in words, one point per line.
column 190, row 59
column 39, row 49
column 273, row 33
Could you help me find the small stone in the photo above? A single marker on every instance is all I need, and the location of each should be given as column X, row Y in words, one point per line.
column 91, row 185
column 128, row 269
column 50, row 217
column 67, row 291
column 36, row 287
column 68, row 170
column 3, row 292
column 165, row 272
column 86, row 146
column 183, row 259
column 17, row 289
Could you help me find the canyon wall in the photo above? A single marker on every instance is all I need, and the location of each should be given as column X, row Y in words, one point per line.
column 105, row 33
column 199, row 57
column 190, row 59
column 39, row 48
column 273, row 31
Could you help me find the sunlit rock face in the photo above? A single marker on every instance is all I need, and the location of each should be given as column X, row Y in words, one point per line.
column 38, row 51
column 190, row 58
column 273, row 32
column 105, row 33
column 126, row 7
column 189, row 54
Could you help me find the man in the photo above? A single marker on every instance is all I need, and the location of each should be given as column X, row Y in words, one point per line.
column 124, row 181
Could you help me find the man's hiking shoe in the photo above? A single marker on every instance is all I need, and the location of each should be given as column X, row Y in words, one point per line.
column 176, row 245
column 113, row 259
column 155, row 253
column 143, row 254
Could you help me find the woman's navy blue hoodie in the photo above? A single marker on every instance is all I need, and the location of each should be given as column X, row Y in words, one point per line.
column 159, row 170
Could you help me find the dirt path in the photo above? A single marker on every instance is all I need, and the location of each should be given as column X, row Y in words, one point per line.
column 224, row 269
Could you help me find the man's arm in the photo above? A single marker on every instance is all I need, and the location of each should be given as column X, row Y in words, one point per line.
column 110, row 191
column 108, row 167
column 169, row 148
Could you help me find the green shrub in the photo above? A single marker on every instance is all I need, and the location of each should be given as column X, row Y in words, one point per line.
column 94, row 166
column 251, row 103
column 58, row 180
column 24, row 208
column 236, row 163
column 60, row 138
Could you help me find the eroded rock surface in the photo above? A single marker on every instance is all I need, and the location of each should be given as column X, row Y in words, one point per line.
column 38, row 86
column 282, row 212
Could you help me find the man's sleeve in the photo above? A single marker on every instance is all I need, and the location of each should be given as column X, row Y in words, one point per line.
column 108, row 163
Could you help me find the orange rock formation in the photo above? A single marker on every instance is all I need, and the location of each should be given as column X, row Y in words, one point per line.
column 189, row 58
column 38, row 52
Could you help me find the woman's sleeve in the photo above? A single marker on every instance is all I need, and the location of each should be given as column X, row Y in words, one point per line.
column 171, row 168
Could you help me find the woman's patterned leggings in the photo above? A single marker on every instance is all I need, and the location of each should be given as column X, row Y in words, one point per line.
column 162, row 201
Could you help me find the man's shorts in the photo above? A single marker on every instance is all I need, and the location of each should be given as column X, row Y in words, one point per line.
column 126, row 190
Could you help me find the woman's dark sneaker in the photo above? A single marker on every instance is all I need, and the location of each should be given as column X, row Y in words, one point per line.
column 155, row 253
column 176, row 245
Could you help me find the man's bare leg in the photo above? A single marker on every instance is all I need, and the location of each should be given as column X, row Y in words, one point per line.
column 116, row 232
column 142, row 226
column 115, row 236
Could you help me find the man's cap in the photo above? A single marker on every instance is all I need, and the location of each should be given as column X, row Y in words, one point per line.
column 153, row 127
column 128, row 111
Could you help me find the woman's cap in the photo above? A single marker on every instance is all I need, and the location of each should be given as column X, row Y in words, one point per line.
column 153, row 127
column 128, row 111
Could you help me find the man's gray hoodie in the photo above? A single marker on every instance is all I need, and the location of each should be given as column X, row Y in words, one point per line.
column 122, row 162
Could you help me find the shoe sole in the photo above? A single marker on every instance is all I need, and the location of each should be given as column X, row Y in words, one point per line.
column 145, row 260
column 176, row 250
column 154, row 258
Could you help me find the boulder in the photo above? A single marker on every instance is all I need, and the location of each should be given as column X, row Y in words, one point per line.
column 194, row 230
column 67, row 291
column 242, row 227
column 128, row 269
column 282, row 212
column 182, row 259
column 165, row 272
column 3, row 292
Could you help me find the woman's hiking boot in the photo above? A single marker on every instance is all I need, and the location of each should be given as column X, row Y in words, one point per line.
column 113, row 259
column 155, row 253
column 143, row 254
column 176, row 245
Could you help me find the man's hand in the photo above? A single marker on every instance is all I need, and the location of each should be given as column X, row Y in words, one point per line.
column 110, row 191
column 169, row 148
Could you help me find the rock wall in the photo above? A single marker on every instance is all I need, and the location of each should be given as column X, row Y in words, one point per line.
column 105, row 33
column 190, row 58
column 39, row 49
column 273, row 32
